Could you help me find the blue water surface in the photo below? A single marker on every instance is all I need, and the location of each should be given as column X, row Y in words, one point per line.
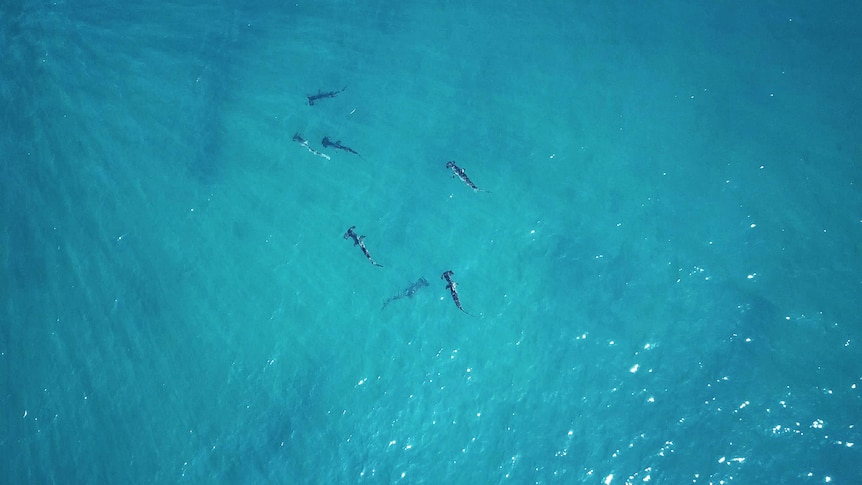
column 662, row 272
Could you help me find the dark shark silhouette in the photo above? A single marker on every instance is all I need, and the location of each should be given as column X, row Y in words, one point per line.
column 407, row 292
column 357, row 241
column 327, row 142
column 451, row 286
column 321, row 95
column 456, row 170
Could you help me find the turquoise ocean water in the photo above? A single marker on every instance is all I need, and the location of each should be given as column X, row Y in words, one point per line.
column 665, row 268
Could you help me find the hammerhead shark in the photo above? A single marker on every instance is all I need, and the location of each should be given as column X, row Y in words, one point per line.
column 327, row 142
column 320, row 95
column 456, row 170
column 407, row 292
column 302, row 141
column 451, row 285
column 357, row 241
